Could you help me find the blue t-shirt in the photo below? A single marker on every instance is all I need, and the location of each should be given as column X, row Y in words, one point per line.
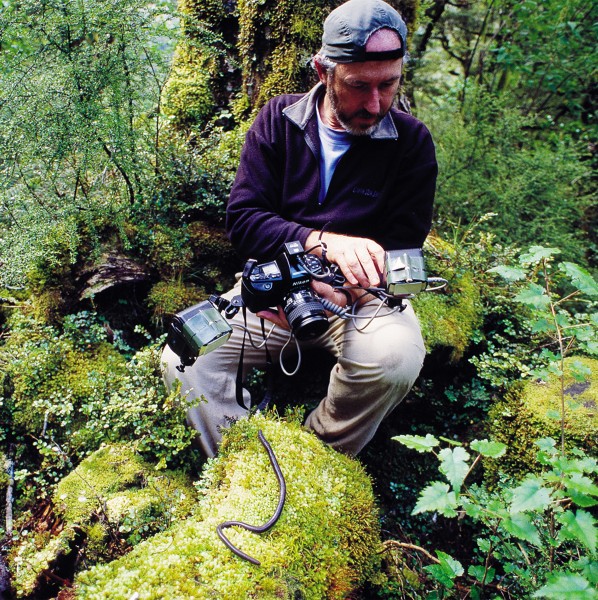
column 334, row 144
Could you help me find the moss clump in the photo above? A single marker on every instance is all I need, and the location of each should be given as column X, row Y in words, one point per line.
column 325, row 543
column 35, row 555
column 168, row 297
column 111, row 501
column 188, row 97
column 449, row 318
column 114, row 481
column 532, row 410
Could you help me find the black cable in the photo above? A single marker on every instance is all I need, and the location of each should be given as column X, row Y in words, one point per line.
column 254, row 528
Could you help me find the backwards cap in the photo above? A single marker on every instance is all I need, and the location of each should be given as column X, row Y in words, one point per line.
column 348, row 28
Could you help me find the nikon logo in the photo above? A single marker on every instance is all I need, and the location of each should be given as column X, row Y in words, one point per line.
column 359, row 191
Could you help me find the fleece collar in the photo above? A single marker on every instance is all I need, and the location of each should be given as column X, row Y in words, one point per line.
column 304, row 109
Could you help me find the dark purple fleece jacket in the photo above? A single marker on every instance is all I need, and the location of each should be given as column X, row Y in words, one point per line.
column 383, row 187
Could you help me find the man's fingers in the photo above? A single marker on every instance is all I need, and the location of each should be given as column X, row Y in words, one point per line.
column 278, row 318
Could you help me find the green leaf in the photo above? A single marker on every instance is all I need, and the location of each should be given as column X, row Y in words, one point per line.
column 530, row 495
column 446, row 571
column 453, row 464
column 533, row 295
column 569, row 586
column 521, row 526
column 583, row 484
column 417, row 442
column 487, row 448
column 580, row 278
column 437, row 497
column 543, row 326
column 536, row 254
column 579, row 527
column 511, row 274
column 479, row 573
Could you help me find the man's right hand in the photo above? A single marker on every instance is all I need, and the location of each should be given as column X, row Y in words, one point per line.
column 361, row 260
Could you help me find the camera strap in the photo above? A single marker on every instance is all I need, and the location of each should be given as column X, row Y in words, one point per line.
column 239, row 379
column 269, row 369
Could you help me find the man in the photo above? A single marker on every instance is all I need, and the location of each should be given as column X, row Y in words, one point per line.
column 340, row 168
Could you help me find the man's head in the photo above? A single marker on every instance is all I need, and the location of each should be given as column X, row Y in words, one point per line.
column 348, row 28
column 360, row 63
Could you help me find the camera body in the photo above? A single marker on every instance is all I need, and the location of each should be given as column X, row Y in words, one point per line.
column 286, row 282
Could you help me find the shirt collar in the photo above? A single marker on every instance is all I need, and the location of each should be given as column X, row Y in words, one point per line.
column 302, row 111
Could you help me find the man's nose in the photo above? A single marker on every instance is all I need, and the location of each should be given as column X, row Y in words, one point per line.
column 372, row 104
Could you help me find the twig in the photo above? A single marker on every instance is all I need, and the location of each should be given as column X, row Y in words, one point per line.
column 394, row 544
column 10, row 469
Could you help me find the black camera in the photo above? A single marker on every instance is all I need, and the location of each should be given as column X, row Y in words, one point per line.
column 286, row 281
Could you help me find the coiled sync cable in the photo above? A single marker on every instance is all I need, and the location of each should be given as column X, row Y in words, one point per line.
column 282, row 486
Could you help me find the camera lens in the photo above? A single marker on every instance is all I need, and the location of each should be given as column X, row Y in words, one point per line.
column 305, row 315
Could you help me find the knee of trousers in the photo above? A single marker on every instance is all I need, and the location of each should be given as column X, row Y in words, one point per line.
column 394, row 357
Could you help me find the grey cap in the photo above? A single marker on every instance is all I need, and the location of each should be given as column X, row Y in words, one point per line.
column 348, row 28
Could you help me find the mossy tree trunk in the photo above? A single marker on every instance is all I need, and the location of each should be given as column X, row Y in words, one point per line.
column 237, row 55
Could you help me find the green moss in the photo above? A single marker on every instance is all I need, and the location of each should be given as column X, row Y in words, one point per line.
column 116, row 482
column 34, row 555
column 450, row 317
column 532, row 410
column 112, row 500
column 188, row 97
column 168, row 297
column 324, row 544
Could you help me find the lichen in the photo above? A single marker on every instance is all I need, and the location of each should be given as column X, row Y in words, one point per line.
column 324, row 544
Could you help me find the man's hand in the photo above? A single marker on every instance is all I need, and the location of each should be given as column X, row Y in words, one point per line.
column 360, row 259
column 278, row 318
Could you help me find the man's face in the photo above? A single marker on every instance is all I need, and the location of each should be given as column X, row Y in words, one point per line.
column 360, row 94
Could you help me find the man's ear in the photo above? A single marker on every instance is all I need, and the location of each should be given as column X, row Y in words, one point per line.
column 321, row 71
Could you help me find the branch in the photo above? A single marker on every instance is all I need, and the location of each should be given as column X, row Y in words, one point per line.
column 388, row 544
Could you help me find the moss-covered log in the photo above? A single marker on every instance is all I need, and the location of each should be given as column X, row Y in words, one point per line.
column 324, row 545
column 110, row 502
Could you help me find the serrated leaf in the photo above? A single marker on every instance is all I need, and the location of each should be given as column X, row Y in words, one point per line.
column 530, row 495
column 521, row 526
column 547, row 444
column 543, row 326
column 581, row 483
column 453, row 465
column 417, row 442
column 579, row 527
column 488, row 448
column 511, row 274
column 537, row 253
column 437, row 497
column 480, row 573
column 580, row 278
column 533, row 295
column 447, row 570
column 567, row 585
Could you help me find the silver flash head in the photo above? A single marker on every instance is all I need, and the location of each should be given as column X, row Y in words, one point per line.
column 405, row 272
column 197, row 330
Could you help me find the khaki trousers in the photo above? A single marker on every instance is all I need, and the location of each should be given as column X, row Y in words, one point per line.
column 378, row 361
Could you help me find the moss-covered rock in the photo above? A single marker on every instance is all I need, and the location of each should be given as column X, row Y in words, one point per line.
column 324, row 545
column 532, row 410
column 111, row 501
